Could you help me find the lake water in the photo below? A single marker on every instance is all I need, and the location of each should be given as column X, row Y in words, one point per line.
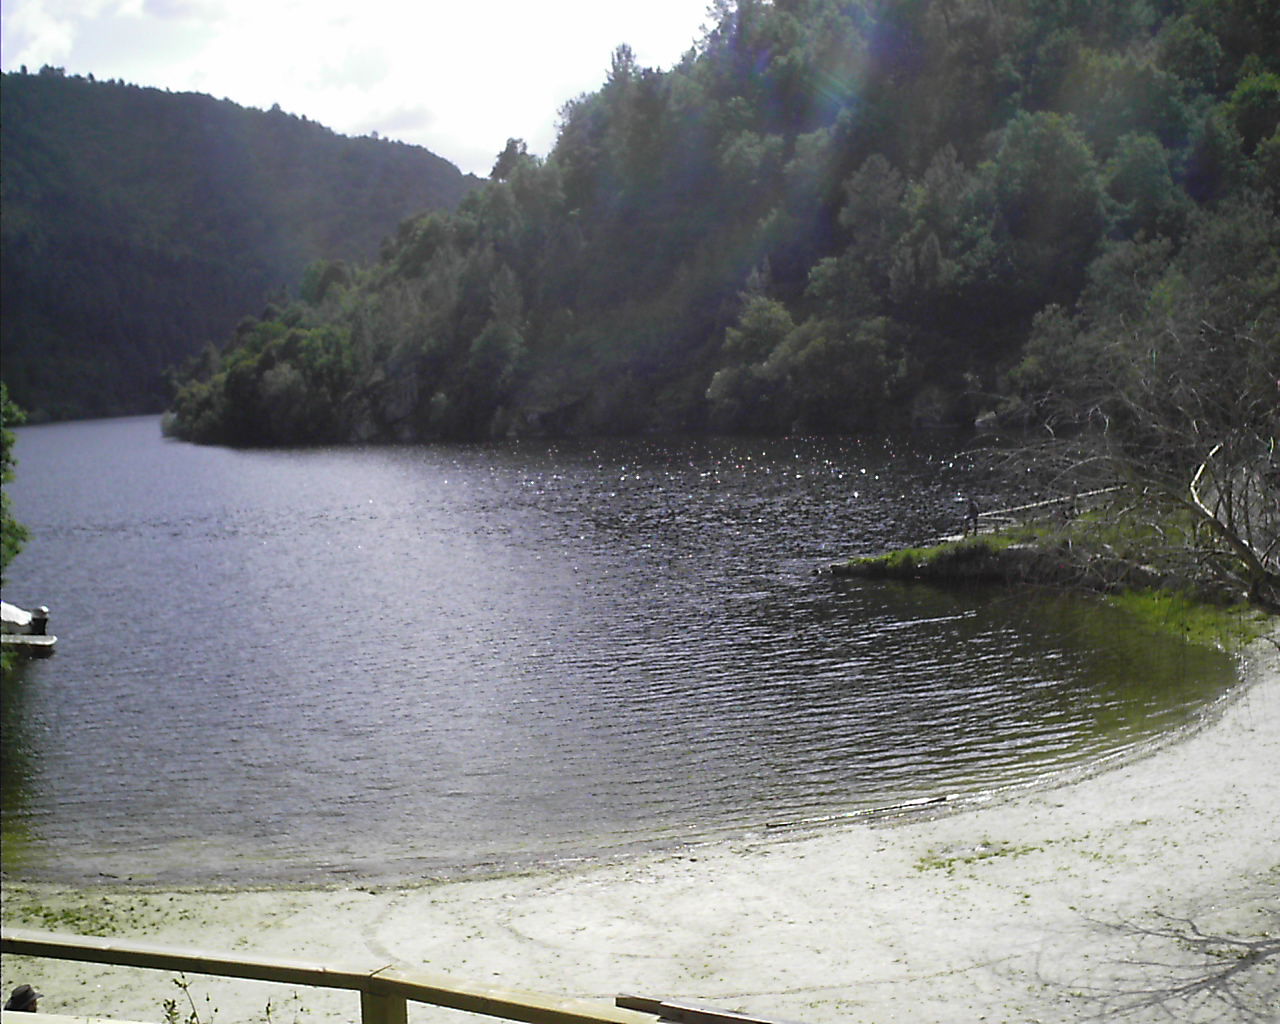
column 393, row 663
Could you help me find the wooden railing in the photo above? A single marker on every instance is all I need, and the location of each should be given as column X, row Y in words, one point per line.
column 384, row 992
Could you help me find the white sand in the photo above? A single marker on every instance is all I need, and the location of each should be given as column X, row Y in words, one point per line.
column 1078, row 902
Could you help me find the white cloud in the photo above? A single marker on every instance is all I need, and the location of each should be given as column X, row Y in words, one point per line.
column 400, row 122
column 33, row 34
column 457, row 78
column 206, row 11
column 363, row 68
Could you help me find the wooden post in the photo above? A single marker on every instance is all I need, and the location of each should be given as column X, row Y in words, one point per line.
column 380, row 1009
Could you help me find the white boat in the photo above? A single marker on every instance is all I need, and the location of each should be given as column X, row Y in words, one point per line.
column 26, row 631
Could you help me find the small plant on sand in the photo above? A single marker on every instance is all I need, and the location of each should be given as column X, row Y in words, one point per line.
column 191, row 1015
column 175, row 1012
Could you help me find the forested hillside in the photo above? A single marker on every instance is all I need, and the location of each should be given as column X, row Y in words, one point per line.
column 141, row 225
column 832, row 215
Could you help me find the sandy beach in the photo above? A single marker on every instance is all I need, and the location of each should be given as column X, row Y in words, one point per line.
column 1146, row 892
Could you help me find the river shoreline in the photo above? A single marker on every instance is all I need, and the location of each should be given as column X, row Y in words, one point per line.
column 1141, row 891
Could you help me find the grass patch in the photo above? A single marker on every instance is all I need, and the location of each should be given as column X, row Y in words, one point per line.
column 86, row 914
column 78, row 920
column 985, row 850
column 1229, row 628
column 1140, row 565
column 950, row 557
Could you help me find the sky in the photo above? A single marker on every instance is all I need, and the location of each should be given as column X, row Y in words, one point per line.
column 459, row 78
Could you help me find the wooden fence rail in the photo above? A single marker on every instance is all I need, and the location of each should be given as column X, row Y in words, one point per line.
column 384, row 992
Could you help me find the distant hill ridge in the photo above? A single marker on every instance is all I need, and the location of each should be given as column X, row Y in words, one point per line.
column 139, row 225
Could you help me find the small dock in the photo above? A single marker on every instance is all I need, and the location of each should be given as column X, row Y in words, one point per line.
column 36, row 645
column 26, row 632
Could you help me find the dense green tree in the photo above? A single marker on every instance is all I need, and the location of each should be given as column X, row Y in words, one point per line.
column 829, row 215
column 12, row 533
column 284, row 383
column 1192, row 55
column 509, row 159
column 837, row 378
column 745, row 393
column 1049, row 199
column 1214, row 161
column 1166, row 386
column 1255, row 108
column 1139, row 181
